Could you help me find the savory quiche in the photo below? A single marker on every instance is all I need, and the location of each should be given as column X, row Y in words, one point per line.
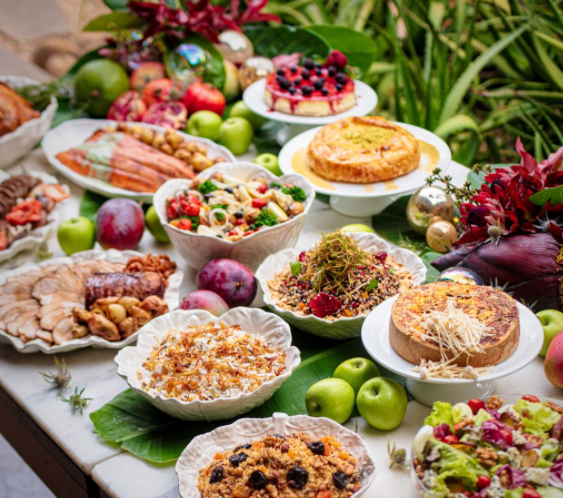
column 364, row 149
column 483, row 314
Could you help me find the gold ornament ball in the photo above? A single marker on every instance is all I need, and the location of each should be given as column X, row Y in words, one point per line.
column 441, row 235
column 426, row 204
column 235, row 46
column 254, row 69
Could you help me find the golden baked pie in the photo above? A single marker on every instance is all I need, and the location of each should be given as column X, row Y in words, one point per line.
column 413, row 337
column 364, row 149
column 312, row 89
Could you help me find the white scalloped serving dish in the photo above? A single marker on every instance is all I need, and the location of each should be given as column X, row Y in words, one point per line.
column 171, row 297
column 202, row 449
column 342, row 328
column 198, row 249
column 267, row 326
column 37, row 236
column 18, row 143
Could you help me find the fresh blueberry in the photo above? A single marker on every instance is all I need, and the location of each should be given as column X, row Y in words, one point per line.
column 291, row 90
column 318, row 84
column 297, row 477
column 308, row 63
column 339, row 87
column 307, row 90
column 318, row 72
column 297, row 81
column 293, row 69
column 281, row 71
column 284, row 83
column 331, row 70
column 324, row 91
column 341, row 78
column 305, row 74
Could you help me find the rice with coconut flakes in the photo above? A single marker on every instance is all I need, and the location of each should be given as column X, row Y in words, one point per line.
column 208, row 362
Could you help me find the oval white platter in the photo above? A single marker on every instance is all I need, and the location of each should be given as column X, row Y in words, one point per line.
column 254, row 98
column 375, row 337
column 37, row 236
column 201, row 450
column 171, row 297
column 397, row 186
column 74, row 133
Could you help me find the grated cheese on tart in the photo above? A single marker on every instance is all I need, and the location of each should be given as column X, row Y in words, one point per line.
column 208, row 362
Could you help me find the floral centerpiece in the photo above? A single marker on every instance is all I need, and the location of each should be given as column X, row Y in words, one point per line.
column 511, row 230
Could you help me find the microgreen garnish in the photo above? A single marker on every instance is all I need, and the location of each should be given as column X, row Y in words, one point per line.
column 59, row 379
column 207, row 187
column 295, row 268
column 266, row 218
column 76, row 401
column 398, row 456
column 373, row 283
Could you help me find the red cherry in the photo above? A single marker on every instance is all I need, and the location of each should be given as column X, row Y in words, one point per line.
column 530, row 493
column 531, row 398
column 483, row 482
column 451, row 439
column 476, row 404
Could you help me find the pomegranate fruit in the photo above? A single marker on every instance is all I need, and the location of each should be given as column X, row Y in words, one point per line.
column 120, row 224
column 204, row 97
column 129, row 106
column 160, row 90
column 205, row 300
column 168, row 114
column 146, row 72
column 233, row 281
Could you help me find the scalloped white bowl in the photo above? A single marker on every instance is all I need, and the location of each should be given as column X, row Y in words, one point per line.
column 201, row 450
column 267, row 326
column 198, row 249
column 15, row 145
column 171, row 297
column 342, row 328
column 38, row 235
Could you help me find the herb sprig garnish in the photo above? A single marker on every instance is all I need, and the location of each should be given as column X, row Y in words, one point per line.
column 76, row 401
column 59, row 379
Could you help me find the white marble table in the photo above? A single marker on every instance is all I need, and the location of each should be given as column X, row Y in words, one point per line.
column 121, row 475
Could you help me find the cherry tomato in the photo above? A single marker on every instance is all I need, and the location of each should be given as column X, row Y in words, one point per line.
column 483, row 482
column 530, row 493
column 262, row 189
column 192, row 210
column 248, row 233
column 531, row 398
column 172, row 211
column 259, row 203
column 240, row 221
column 476, row 404
column 451, row 439
column 194, row 199
column 233, row 232
column 185, row 224
column 507, row 436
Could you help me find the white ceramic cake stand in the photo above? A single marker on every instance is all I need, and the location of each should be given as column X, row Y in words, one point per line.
column 375, row 337
column 353, row 199
column 254, row 98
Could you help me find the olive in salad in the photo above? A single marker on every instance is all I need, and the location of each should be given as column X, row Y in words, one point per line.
column 489, row 449
column 230, row 208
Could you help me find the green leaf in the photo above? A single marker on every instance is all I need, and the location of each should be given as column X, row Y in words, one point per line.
column 217, row 73
column 131, row 422
column 117, row 5
column 432, row 273
column 295, row 268
column 552, row 195
column 360, row 49
column 373, row 283
column 455, row 97
column 270, row 42
column 553, row 72
column 89, row 205
column 114, row 22
column 456, row 125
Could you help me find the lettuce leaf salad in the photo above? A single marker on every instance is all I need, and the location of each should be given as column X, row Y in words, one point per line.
column 489, row 449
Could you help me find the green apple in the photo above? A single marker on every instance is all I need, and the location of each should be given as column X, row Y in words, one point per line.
column 270, row 162
column 236, row 134
column 231, row 88
column 77, row 234
column 241, row 110
column 155, row 227
column 331, row 398
column 552, row 324
column 357, row 227
column 204, row 124
column 382, row 403
column 356, row 371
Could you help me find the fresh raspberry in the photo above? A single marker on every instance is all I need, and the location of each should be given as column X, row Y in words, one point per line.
column 302, row 256
column 324, row 304
column 336, row 58
column 381, row 256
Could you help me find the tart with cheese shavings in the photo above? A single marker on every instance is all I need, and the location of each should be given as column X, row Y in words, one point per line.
column 491, row 449
column 454, row 330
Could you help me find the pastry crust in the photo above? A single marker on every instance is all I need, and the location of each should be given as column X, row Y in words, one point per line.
column 363, row 150
column 490, row 306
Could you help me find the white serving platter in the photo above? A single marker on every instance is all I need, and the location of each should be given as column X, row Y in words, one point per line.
column 37, row 236
column 74, row 133
column 254, row 98
column 375, row 337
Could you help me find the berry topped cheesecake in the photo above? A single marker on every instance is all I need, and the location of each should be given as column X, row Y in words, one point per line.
column 313, row 89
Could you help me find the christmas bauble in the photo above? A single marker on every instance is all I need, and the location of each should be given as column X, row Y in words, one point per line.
column 187, row 63
column 441, row 235
column 460, row 275
column 254, row 69
column 429, row 204
column 235, row 46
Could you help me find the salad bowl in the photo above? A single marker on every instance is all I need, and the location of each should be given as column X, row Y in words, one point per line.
column 268, row 327
column 198, row 249
column 201, row 450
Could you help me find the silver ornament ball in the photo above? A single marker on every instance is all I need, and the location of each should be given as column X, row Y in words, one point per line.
column 460, row 275
column 429, row 203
